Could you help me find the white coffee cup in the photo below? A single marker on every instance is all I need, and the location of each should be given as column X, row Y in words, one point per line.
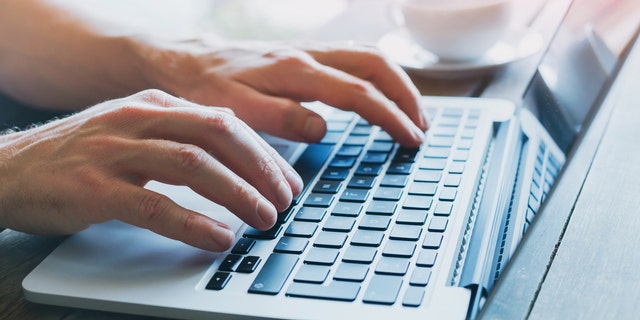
column 456, row 30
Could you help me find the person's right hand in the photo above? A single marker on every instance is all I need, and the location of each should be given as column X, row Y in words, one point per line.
column 91, row 167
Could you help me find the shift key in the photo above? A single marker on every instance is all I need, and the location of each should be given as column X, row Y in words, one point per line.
column 274, row 274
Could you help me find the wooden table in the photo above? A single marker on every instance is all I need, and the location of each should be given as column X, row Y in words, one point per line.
column 562, row 251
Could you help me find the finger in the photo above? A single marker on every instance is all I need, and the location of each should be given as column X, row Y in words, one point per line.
column 369, row 64
column 278, row 116
column 153, row 211
column 182, row 164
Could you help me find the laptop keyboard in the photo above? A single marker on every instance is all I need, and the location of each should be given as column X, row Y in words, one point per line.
column 369, row 226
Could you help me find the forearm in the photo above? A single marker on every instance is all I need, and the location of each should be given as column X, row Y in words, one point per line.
column 53, row 58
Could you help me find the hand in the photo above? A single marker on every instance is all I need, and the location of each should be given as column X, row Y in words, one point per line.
column 264, row 84
column 91, row 167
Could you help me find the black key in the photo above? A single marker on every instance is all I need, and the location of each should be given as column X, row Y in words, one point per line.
column 322, row 200
column 348, row 209
column 342, row 162
column 351, row 272
column 285, row 215
column 392, row 266
column 380, row 207
column 274, row 274
column 218, row 281
column 339, row 224
column 310, row 214
column 291, row 245
column 310, row 162
column 327, row 186
column 369, row 238
column 383, row 289
column 400, row 168
column 355, row 195
column 230, row 262
column 248, row 264
column 312, row 273
column 270, row 234
column 335, row 174
column 301, row 229
column 412, row 216
column 243, row 246
column 420, row 276
column 400, row 249
column 427, row 258
column 357, row 254
column 328, row 239
column 388, row 193
column 375, row 157
column 405, row 155
column 363, row 182
column 322, row 256
column 394, row 180
column 413, row 297
column 336, row 290
column 374, row 222
column 369, row 169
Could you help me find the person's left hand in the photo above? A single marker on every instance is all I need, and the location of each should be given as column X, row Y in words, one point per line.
column 264, row 83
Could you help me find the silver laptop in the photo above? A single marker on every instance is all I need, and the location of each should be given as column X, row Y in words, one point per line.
column 381, row 231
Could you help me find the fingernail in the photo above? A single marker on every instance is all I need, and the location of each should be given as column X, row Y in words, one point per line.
column 314, row 128
column 424, row 124
column 418, row 135
column 283, row 194
column 223, row 236
column 267, row 213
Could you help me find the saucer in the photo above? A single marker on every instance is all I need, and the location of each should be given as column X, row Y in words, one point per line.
column 401, row 48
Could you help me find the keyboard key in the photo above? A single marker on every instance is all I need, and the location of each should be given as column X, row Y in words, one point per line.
column 301, row 229
column 441, row 142
column 336, row 290
column 392, row 266
column 351, row 272
column 310, row 214
column 335, row 174
column 432, row 240
column 368, row 169
column 348, row 209
column 355, row 195
column 342, row 162
column 374, row 222
column 349, row 151
column 310, row 162
column 284, row 215
column 365, row 182
column 443, row 209
column 438, row 224
column 243, row 246
column 432, row 164
column 274, row 274
column 400, row 249
column 382, row 207
column 230, row 262
column 413, row 297
column 367, row 238
column 270, row 234
column 465, row 144
column 319, row 200
column 331, row 138
column 388, row 193
column 383, row 289
column 328, row 239
column 339, row 224
column 423, row 188
column 417, row 202
column 394, row 180
column 412, row 216
column 405, row 155
column 381, row 147
column 337, row 126
column 420, row 276
column 248, row 264
column 428, row 176
column 456, row 167
column 312, row 273
column 453, row 180
column 291, row 245
column 354, row 140
column 437, row 152
column 361, row 130
column 218, row 281
column 375, row 157
column 357, row 254
column 400, row 168
column 460, row 155
column 405, row 232
column 327, row 186
column 448, row 194
column 322, row 256
column 426, row 258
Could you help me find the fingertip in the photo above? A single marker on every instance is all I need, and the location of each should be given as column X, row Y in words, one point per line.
column 223, row 237
column 267, row 214
column 314, row 128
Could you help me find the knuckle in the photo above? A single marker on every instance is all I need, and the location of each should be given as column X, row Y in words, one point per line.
column 223, row 123
column 265, row 167
column 152, row 206
column 190, row 158
column 190, row 223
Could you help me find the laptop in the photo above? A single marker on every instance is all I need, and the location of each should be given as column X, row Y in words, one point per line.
column 380, row 231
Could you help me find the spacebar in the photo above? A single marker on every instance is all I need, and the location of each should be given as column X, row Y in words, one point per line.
column 274, row 274
column 337, row 290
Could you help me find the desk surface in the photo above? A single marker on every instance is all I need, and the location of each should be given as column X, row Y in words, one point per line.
column 575, row 262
